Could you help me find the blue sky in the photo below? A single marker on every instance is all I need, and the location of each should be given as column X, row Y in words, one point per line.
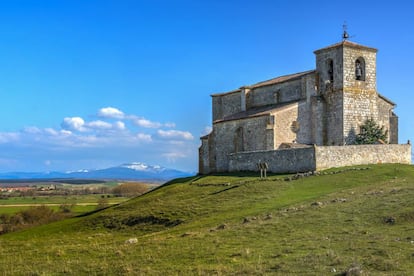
column 95, row 83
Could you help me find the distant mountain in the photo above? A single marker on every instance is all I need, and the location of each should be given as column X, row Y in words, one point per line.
column 130, row 171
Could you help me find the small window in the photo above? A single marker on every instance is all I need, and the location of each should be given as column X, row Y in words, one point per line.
column 360, row 69
column 330, row 70
column 276, row 96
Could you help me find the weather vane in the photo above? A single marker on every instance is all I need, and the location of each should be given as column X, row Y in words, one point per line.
column 345, row 34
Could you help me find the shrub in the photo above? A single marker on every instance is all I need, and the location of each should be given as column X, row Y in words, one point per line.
column 33, row 216
column 37, row 215
column 371, row 133
column 66, row 208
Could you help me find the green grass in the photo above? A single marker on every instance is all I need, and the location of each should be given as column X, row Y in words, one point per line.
column 56, row 199
column 82, row 203
column 235, row 224
column 76, row 209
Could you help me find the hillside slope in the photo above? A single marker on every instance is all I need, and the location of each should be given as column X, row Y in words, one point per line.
column 351, row 218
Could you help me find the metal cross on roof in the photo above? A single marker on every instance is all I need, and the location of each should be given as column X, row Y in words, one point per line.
column 345, row 34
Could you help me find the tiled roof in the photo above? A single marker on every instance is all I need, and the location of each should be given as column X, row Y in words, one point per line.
column 258, row 111
column 270, row 82
column 281, row 79
column 386, row 99
column 348, row 44
column 226, row 93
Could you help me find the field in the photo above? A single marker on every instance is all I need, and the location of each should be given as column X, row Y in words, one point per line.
column 81, row 195
column 81, row 203
column 358, row 220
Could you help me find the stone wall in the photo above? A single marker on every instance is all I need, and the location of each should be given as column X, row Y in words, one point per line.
column 329, row 65
column 203, row 156
column 322, row 67
column 310, row 158
column 237, row 136
column 233, row 102
column 279, row 161
column 278, row 93
column 339, row 156
column 350, row 55
column 360, row 96
column 393, row 129
column 318, row 120
column 286, row 124
column 226, row 104
column 305, row 124
column 334, row 118
column 384, row 119
column 359, row 105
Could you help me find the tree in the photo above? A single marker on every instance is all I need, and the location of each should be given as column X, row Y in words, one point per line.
column 130, row 189
column 371, row 133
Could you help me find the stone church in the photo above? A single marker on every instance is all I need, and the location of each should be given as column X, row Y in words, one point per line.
column 283, row 120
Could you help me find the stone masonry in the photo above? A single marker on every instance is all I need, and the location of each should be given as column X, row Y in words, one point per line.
column 304, row 120
column 314, row 158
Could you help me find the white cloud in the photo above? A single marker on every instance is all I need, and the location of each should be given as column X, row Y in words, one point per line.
column 90, row 140
column 144, row 137
column 172, row 156
column 115, row 113
column 51, row 131
column 207, row 130
column 66, row 132
column 104, row 139
column 73, row 123
column 175, row 134
column 119, row 125
column 99, row 125
column 111, row 112
column 32, row 130
column 171, row 125
column 8, row 137
column 78, row 124
column 142, row 122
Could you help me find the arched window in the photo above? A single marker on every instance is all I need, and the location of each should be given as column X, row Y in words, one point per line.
column 330, row 70
column 360, row 69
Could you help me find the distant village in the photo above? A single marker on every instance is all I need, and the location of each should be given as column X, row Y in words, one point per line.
column 13, row 189
column 49, row 189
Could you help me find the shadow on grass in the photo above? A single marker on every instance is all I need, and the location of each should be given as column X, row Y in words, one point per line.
column 96, row 211
column 225, row 190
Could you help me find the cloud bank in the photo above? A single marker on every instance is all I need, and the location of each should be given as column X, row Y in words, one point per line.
column 111, row 136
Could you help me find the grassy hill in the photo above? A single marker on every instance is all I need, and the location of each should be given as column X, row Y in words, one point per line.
column 361, row 217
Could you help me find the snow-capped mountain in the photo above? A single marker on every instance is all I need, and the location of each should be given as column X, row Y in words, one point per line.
column 138, row 166
column 129, row 171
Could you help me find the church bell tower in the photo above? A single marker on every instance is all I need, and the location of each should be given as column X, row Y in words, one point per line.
column 347, row 87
